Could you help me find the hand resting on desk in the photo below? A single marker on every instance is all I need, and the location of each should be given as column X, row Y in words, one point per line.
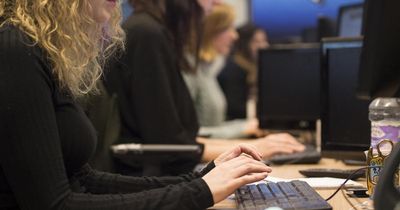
column 234, row 170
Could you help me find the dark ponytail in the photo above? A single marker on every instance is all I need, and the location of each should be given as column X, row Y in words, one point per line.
column 185, row 31
column 183, row 19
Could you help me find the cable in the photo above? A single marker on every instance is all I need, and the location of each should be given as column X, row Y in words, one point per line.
column 348, row 178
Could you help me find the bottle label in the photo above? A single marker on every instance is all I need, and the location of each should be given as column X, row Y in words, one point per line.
column 376, row 160
column 384, row 130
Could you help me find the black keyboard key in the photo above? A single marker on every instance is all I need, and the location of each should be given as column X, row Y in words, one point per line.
column 276, row 190
column 266, row 192
column 288, row 189
column 256, row 194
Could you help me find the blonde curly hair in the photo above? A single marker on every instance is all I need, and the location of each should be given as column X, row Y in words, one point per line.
column 76, row 45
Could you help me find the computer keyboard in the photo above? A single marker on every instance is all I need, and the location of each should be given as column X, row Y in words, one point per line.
column 330, row 172
column 294, row 195
column 309, row 156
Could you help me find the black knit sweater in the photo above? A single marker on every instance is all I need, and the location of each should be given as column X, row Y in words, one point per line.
column 46, row 141
column 155, row 104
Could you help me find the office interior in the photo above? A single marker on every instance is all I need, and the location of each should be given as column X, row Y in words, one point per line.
column 308, row 85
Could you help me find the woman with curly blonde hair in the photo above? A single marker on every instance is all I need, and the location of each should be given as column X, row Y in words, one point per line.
column 51, row 53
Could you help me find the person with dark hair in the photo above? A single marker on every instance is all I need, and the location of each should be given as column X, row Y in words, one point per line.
column 155, row 104
column 51, row 54
column 238, row 79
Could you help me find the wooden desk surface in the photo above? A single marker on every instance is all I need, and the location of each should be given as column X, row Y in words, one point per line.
column 291, row 171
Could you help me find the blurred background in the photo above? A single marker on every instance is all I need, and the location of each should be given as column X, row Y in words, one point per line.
column 292, row 21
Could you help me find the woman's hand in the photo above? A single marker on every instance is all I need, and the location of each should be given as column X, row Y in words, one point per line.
column 280, row 143
column 229, row 175
column 237, row 151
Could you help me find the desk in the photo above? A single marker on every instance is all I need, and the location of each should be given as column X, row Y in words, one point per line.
column 291, row 171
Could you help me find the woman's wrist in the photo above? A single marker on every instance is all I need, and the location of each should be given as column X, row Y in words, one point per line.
column 210, row 166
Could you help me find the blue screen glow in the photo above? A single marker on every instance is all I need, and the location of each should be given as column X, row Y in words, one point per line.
column 126, row 9
column 287, row 18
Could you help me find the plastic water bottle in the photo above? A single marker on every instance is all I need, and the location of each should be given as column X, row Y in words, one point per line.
column 384, row 114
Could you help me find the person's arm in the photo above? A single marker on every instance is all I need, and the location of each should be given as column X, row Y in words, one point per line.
column 101, row 182
column 232, row 170
column 268, row 146
column 31, row 158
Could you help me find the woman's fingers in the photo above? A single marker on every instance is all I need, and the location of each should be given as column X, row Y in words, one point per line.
column 227, row 177
column 242, row 160
column 250, row 178
column 244, row 165
column 237, row 151
column 250, row 168
column 246, row 149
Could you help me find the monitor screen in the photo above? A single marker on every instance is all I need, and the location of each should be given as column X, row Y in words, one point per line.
column 345, row 126
column 288, row 95
column 380, row 61
column 350, row 20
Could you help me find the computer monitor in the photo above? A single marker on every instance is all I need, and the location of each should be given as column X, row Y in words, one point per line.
column 288, row 94
column 380, row 66
column 345, row 131
column 350, row 20
column 380, row 77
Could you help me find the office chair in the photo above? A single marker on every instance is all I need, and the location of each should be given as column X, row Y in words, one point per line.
column 102, row 110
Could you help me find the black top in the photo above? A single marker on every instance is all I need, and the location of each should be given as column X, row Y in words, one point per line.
column 233, row 81
column 155, row 103
column 46, row 141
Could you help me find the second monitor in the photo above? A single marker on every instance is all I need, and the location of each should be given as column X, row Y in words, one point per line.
column 350, row 20
column 344, row 118
column 289, row 83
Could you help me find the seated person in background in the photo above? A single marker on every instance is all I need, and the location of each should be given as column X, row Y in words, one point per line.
column 209, row 100
column 51, row 54
column 238, row 79
column 154, row 101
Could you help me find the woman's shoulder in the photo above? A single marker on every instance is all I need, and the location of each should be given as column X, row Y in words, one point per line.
column 15, row 43
column 21, row 54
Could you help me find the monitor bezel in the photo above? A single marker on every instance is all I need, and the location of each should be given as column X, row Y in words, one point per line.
column 284, row 123
column 329, row 150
